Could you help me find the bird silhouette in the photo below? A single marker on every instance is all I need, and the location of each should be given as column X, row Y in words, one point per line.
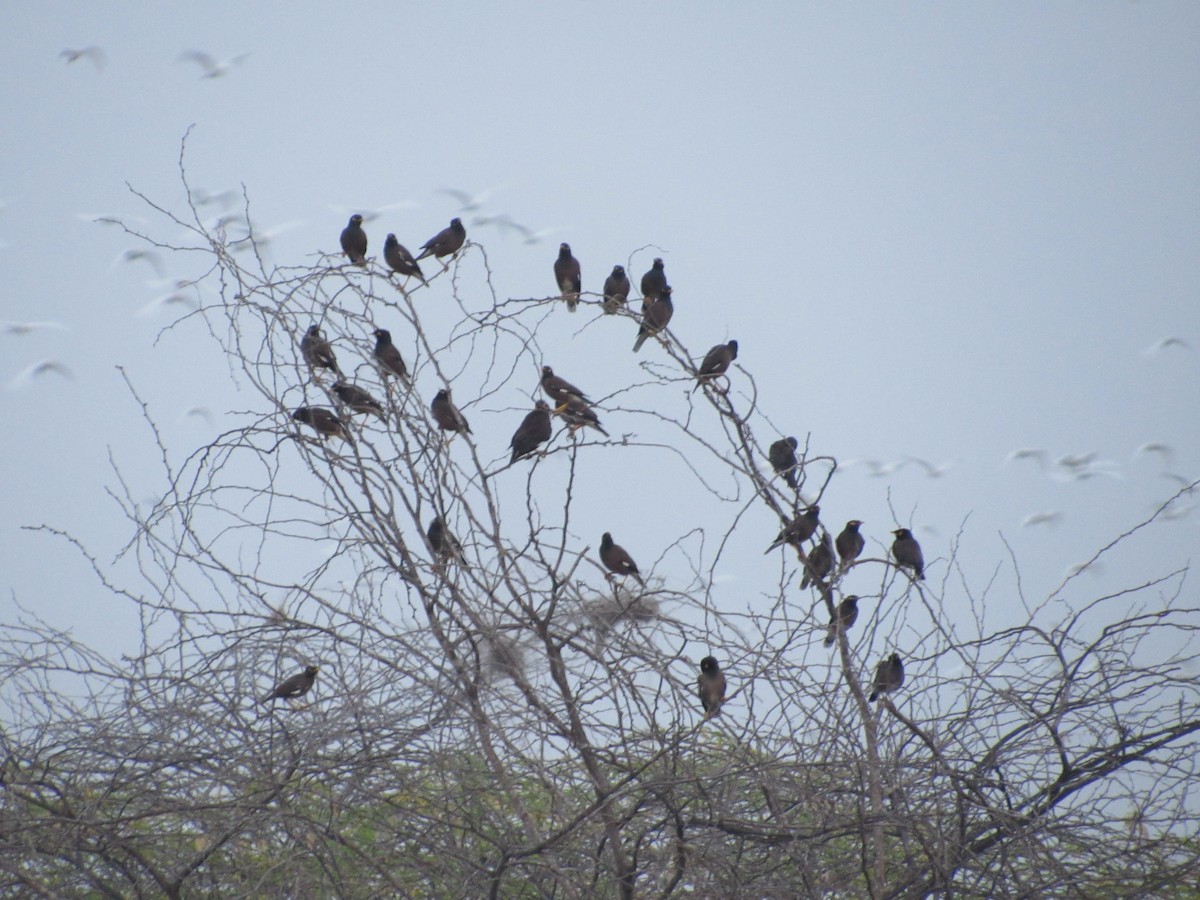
column 443, row 544
column 357, row 399
column 782, row 455
column 577, row 414
column 798, row 530
column 91, row 53
column 399, row 259
column 317, row 351
column 907, row 553
column 446, row 242
column 843, row 617
column 559, row 389
column 653, row 283
column 716, row 362
column 849, row 544
column 617, row 560
column 447, row 415
column 354, row 240
column 322, row 421
column 889, row 677
column 655, row 317
column 294, row 687
column 616, row 290
column 210, row 66
column 534, row 430
column 567, row 276
column 711, row 686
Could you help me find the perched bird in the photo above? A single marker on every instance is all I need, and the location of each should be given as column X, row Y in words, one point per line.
column 317, row 351
column 798, row 530
column 446, row 414
column 396, row 255
column 655, row 317
column 653, row 283
column 534, row 430
column 782, row 455
column 559, row 389
column 354, row 241
column 819, row 563
column 711, row 685
column 849, row 544
column 716, row 362
column 295, row 687
column 907, row 553
column 447, row 241
column 577, row 414
column 357, row 399
column 324, row 422
column 616, row 290
column 889, row 676
column 616, row 560
column 566, row 275
column 443, row 543
column 843, row 617
column 389, row 358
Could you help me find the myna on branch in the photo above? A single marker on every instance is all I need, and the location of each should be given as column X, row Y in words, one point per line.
column 655, row 317
column 653, row 283
column 534, row 430
column 716, row 362
column 889, row 676
column 317, row 352
column 447, row 241
column 567, row 276
column 443, row 544
column 907, row 553
column 446, row 414
column 559, row 389
column 577, row 414
column 711, row 686
column 843, row 617
column 782, row 455
column 389, row 358
column 324, row 422
column 799, row 529
column 354, row 241
column 849, row 544
column 819, row 563
column 295, row 687
column 357, row 399
column 616, row 290
column 616, row 560
column 398, row 258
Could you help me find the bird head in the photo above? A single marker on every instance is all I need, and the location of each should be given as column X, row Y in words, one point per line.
column 902, row 533
column 709, row 665
column 666, row 291
column 618, row 271
column 733, row 347
column 314, row 330
column 793, row 443
column 302, row 415
column 813, row 511
column 851, row 601
column 606, row 540
column 390, row 239
column 658, row 263
column 356, row 219
column 547, row 372
column 564, row 249
column 382, row 333
column 456, row 223
column 311, row 671
column 541, row 406
column 853, row 524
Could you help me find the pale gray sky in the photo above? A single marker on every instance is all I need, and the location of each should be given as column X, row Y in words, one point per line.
column 937, row 230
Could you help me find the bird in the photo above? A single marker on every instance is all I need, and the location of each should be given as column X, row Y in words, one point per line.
column 617, row 560
column 711, row 686
column 399, row 259
column 889, row 676
column 20, row 329
column 849, row 544
column 566, row 275
column 447, row 415
column 469, row 202
column 931, row 470
column 1038, row 456
column 295, row 687
column 1051, row 517
column 317, row 351
column 212, row 68
column 324, row 422
column 447, row 241
column 655, row 317
column 559, row 389
column 389, row 358
column 782, row 455
column 616, row 290
column 819, row 563
column 798, row 530
column 534, row 430
column 354, row 240
column 1173, row 340
column 653, row 283
column 150, row 257
column 577, row 414
column 716, row 362
column 91, row 52
column 843, row 617
column 443, row 543
column 357, row 399
column 907, row 553
column 38, row 369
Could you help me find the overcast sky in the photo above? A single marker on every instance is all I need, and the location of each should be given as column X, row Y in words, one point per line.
column 944, row 231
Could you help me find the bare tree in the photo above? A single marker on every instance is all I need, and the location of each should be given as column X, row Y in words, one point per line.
column 495, row 714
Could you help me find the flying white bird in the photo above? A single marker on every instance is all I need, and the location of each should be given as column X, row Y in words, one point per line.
column 39, row 369
column 91, row 53
column 1162, row 344
column 212, row 68
column 1038, row 456
column 1042, row 518
column 23, row 328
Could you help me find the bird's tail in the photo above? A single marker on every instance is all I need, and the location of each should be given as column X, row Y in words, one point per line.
column 641, row 339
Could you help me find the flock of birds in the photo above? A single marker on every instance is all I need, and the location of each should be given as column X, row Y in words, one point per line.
column 573, row 406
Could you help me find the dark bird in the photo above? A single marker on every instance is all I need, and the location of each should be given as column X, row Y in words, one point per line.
column 447, row 241
column 907, row 553
column 716, row 362
column 843, row 617
column 389, row 358
column 559, row 389
column 354, row 241
column 655, row 317
column 295, row 687
column 616, row 290
column 357, row 399
column 322, row 421
column 616, row 560
column 566, row 275
column 889, row 676
column 577, row 414
column 446, row 414
column 782, row 455
column 819, row 563
column 399, row 259
column 534, row 430
column 711, row 685
column 849, row 544
column 653, row 283
column 798, row 530
column 443, row 544
column 317, row 352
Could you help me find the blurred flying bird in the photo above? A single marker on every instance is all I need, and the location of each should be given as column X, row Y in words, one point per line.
column 92, row 53
column 616, row 290
column 22, row 328
column 617, row 560
column 1042, row 518
column 889, row 676
column 1038, row 456
column 1168, row 342
column 354, row 241
column 1166, row 451
column 468, row 202
column 907, row 553
column 200, row 412
column 149, row 257
column 567, row 276
column 930, row 469
column 210, row 66
column 655, row 317
column 446, row 242
column 37, row 370
column 782, row 455
column 711, row 687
